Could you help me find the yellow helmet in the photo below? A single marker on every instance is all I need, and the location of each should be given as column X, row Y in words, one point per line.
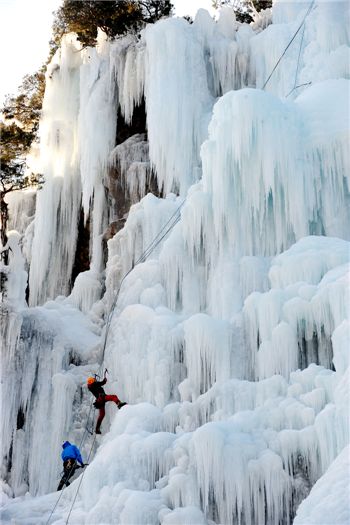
column 90, row 380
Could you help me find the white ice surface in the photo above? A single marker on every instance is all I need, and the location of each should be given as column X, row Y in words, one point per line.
column 230, row 342
column 328, row 502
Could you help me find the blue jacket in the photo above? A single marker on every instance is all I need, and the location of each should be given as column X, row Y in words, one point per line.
column 71, row 452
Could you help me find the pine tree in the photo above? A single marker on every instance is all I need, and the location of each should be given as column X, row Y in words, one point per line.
column 15, row 143
column 21, row 115
column 26, row 106
column 244, row 9
column 115, row 17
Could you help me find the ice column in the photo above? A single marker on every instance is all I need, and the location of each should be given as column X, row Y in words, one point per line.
column 56, row 218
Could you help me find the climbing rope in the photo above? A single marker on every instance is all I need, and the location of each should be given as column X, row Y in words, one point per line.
column 299, row 55
column 168, row 226
column 297, row 68
column 70, row 470
column 290, row 43
column 297, row 87
column 80, row 481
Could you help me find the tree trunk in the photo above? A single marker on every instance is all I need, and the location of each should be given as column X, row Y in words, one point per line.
column 4, row 215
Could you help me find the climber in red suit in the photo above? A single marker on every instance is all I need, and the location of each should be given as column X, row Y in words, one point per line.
column 96, row 389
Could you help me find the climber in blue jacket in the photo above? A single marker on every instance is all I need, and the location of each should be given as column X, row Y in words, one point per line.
column 70, row 456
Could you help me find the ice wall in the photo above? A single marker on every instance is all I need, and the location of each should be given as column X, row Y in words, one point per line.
column 328, row 502
column 82, row 96
column 319, row 51
column 21, row 209
column 271, row 176
column 230, row 342
column 75, row 141
column 131, row 158
column 39, row 384
column 57, row 206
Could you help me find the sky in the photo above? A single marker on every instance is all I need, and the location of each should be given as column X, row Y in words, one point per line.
column 25, row 30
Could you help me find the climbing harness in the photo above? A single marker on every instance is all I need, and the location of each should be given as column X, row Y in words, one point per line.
column 168, row 226
column 289, row 44
column 80, row 445
column 80, row 481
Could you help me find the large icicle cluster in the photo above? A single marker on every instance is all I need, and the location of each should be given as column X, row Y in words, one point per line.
column 38, row 389
column 57, row 204
column 230, row 342
column 77, row 133
column 132, row 159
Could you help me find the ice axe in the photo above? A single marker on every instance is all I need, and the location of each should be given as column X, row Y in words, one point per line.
column 107, row 372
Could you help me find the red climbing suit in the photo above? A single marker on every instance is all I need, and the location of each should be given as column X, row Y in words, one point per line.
column 102, row 398
column 100, row 404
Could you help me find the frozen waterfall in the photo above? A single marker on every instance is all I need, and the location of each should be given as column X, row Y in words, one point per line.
column 230, row 342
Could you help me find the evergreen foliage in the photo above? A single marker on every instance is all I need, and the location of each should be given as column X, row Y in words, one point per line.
column 15, row 143
column 244, row 9
column 26, row 106
column 21, row 115
column 115, row 17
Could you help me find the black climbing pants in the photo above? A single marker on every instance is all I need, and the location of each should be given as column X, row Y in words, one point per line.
column 69, row 467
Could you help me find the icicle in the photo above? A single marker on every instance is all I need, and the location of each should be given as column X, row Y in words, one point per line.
column 56, row 219
column 21, row 209
column 16, row 280
column 207, row 352
column 131, row 157
column 177, row 126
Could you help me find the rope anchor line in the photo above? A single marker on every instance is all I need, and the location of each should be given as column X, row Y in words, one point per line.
column 289, row 44
column 172, row 221
column 163, row 232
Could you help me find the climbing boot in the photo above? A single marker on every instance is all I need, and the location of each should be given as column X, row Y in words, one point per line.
column 120, row 404
column 98, row 431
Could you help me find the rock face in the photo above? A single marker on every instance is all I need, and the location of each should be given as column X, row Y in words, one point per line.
column 192, row 236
